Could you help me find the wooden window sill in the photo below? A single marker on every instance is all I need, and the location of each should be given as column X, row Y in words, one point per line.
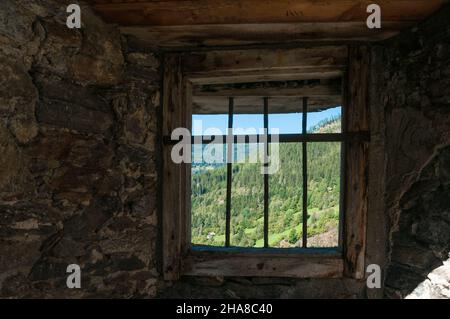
column 260, row 262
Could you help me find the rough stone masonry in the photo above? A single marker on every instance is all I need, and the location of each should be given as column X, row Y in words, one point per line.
column 78, row 173
column 416, row 102
column 79, row 163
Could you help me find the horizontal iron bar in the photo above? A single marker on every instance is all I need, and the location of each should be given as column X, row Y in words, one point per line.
column 282, row 138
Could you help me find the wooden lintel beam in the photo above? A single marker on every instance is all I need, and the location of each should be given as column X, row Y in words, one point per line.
column 318, row 89
column 298, row 60
column 253, row 105
column 265, row 75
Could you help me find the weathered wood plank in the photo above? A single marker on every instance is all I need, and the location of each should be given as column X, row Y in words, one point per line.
column 253, row 105
column 292, row 60
column 235, row 264
column 272, row 89
column 261, row 33
column 194, row 12
column 223, row 77
column 357, row 120
column 172, row 185
column 264, row 64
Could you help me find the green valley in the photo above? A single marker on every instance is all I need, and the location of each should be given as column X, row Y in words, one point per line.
column 285, row 198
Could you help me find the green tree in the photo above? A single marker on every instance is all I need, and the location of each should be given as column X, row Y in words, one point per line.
column 293, row 236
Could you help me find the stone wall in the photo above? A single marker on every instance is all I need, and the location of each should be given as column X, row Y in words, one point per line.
column 78, row 177
column 79, row 165
column 414, row 89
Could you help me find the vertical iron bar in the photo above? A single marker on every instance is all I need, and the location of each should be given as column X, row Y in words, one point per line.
column 305, row 175
column 343, row 174
column 229, row 170
column 342, row 186
column 266, row 176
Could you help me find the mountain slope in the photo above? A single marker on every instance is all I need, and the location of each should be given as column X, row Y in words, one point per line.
column 285, row 198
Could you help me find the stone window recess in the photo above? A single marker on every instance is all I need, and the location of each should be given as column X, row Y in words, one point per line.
column 183, row 74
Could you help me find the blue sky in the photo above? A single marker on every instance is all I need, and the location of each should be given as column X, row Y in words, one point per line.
column 286, row 123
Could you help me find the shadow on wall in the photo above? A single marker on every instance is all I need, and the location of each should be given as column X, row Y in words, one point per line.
column 420, row 264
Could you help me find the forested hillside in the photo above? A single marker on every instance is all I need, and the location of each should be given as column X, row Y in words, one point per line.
column 285, row 198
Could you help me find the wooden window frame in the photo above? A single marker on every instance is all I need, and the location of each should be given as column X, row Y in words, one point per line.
column 184, row 70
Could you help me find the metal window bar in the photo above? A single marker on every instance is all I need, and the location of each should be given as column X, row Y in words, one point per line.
column 266, row 176
column 229, row 171
column 304, row 138
column 283, row 138
column 305, row 175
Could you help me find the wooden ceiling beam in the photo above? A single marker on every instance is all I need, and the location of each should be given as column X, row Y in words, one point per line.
column 198, row 12
column 266, row 33
column 205, row 23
